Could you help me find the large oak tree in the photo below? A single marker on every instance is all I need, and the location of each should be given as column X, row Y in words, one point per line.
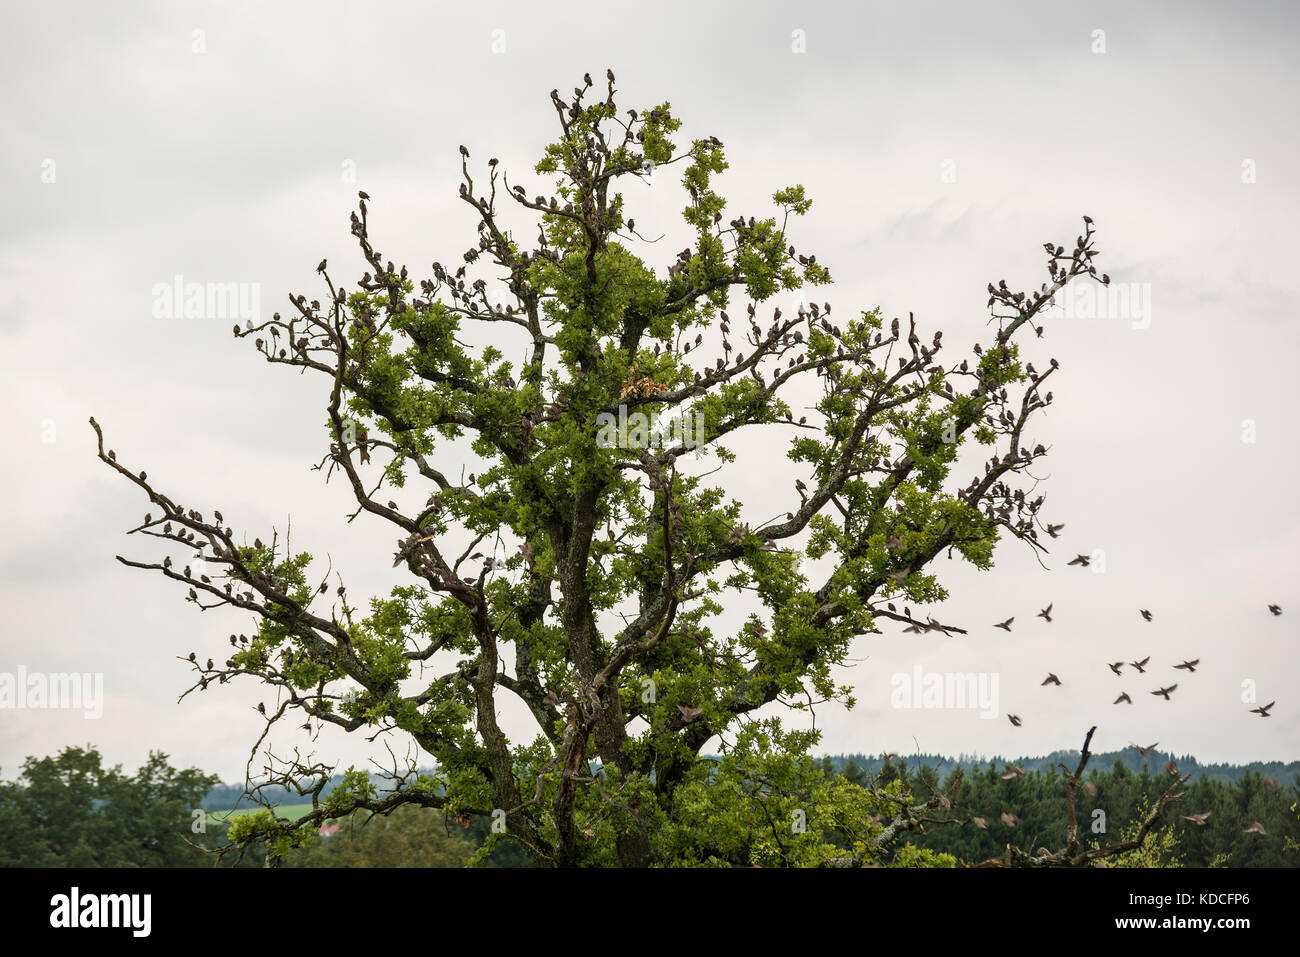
column 582, row 568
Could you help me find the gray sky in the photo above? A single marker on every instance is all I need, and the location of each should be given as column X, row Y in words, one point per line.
column 942, row 145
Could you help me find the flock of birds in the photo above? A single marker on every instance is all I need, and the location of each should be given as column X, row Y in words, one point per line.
column 1188, row 665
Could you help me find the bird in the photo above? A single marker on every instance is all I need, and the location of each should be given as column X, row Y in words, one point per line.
column 1046, row 613
column 261, row 707
column 689, row 713
column 209, row 664
column 1165, row 692
column 1013, row 771
column 1275, row 609
column 321, row 267
column 363, row 195
column 1014, row 719
column 1255, row 828
column 1090, row 788
column 1080, row 560
column 1115, row 666
column 1262, row 710
column 1005, row 625
column 1009, row 819
column 1198, row 819
column 1189, row 665
column 1051, row 679
column 1123, row 697
column 1139, row 664
column 1145, row 614
column 980, row 823
column 1147, row 750
column 1053, row 530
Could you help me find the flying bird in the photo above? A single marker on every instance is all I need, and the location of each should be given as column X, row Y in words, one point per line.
column 1046, row 613
column 1009, row 819
column 1256, row 828
column 1147, row 750
column 1115, row 666
column 1013, row 771
column 688, row 713
column 980, row 823
column 1053, row 530
column 1014, row 719
column 1165, row 692
column 1051, row 679
column 1123, row 697
column 1198, row 819
column 1139, row 664
column 1145, row 614
column 1080, row 560
column 1275, row 609
column 1189, row 665
column 1262, row 710
column 1005, row 625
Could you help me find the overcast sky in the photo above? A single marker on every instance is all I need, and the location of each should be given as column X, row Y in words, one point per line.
column 942, row 145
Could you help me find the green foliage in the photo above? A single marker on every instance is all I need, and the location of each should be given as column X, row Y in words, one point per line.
column 70, row 810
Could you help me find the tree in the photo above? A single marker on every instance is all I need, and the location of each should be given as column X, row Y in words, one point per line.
column 579, row 559
column 70, row 811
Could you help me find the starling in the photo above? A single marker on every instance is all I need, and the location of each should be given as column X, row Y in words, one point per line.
column 1046, row 613
column 1140, row 665
column 1263, row 710
column 1165, row 691
column 1014, row 719
column 1005, row 625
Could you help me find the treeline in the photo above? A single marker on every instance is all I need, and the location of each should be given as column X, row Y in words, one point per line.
column 1131, row 757
column 1108, row 812
column 70, row 810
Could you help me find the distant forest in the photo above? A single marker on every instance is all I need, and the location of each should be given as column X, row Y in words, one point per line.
column 73, row 810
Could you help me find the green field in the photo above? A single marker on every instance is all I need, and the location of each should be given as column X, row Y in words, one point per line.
column 290, row 811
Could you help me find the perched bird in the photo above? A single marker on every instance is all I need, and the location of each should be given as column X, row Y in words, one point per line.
column 1145, row 614
column 1046, row 613
column 1262, row 710
column 1005, row 625
column 1139, row 664
column 321, row 267
column 1275, row 609
column 1165, row 692
column 1014, row 719
column 1080, row 560
column 1256, row 828
column 261, row 707
column 1051, row 679
column 1123, row 697
column 1115, row 666
column 1189, row 665
column 1198, row 819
